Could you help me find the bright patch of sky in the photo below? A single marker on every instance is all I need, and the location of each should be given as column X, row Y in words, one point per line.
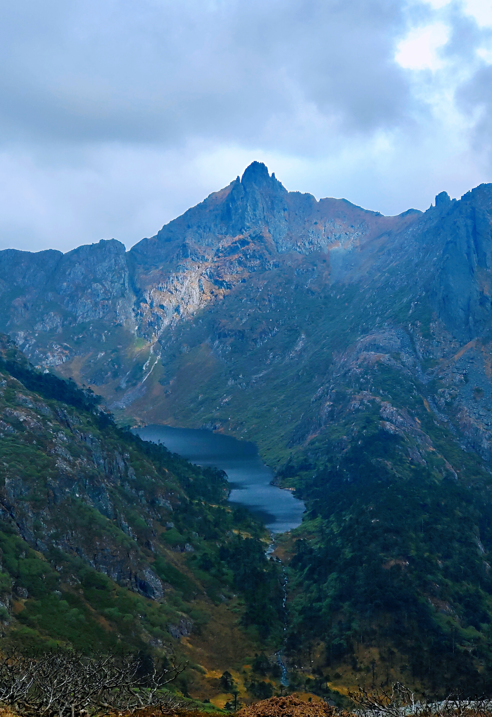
column 480, row 10
column 419, row 50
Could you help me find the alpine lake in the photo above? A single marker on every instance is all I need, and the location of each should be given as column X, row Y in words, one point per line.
column 249, row 478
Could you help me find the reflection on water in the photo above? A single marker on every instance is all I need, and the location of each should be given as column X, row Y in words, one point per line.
column 248, row 475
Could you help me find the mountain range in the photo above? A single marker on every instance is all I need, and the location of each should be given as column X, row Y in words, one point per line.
column 356, row 350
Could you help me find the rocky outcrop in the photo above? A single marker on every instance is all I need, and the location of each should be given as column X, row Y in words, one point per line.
column 82, row 483
column 461, row 289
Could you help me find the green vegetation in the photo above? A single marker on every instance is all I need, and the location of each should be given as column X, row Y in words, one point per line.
column 110, row 544
column 391, row 570
column 391, row 566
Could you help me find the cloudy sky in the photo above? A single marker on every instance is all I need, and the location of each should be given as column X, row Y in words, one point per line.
column 116, row 115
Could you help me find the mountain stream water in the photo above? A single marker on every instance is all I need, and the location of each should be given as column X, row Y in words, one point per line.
column 250, row 481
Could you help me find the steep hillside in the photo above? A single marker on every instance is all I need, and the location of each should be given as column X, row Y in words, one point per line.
column 109, row 543
column 391, row 570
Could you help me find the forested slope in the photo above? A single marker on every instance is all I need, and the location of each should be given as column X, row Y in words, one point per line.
column 112, row 544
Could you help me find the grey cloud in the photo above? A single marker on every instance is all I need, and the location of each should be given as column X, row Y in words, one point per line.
column 117, row 115
column 475, row 98
column 465, row 37
column 343, row 59
column 152, row 71
column 473, row 94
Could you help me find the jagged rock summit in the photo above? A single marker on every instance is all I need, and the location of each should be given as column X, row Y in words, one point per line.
column 257, row 174
column 114, row 319
column 251, row 228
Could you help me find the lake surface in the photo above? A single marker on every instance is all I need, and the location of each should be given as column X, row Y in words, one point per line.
column 248, row 476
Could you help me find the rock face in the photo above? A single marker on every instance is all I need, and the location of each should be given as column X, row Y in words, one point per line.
column 254, row 265
column 82, row 481
column 59, row 307
column 244, row 228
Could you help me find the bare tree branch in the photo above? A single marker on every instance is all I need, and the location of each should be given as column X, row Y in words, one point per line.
column 67, row 684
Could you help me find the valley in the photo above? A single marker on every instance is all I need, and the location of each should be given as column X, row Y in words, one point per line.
column 355, row 351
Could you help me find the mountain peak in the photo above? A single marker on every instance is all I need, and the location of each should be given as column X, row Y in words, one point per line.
column 443, row 200
column 257, row 173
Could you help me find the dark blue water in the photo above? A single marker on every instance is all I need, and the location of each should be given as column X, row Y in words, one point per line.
column 248, row 476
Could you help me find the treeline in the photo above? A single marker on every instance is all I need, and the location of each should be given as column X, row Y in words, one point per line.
column 260, row 581
column 50, row 386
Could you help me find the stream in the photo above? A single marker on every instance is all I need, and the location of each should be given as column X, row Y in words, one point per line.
column 250, row 481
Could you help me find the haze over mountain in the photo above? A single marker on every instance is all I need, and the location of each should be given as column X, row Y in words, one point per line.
column 355, row 349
